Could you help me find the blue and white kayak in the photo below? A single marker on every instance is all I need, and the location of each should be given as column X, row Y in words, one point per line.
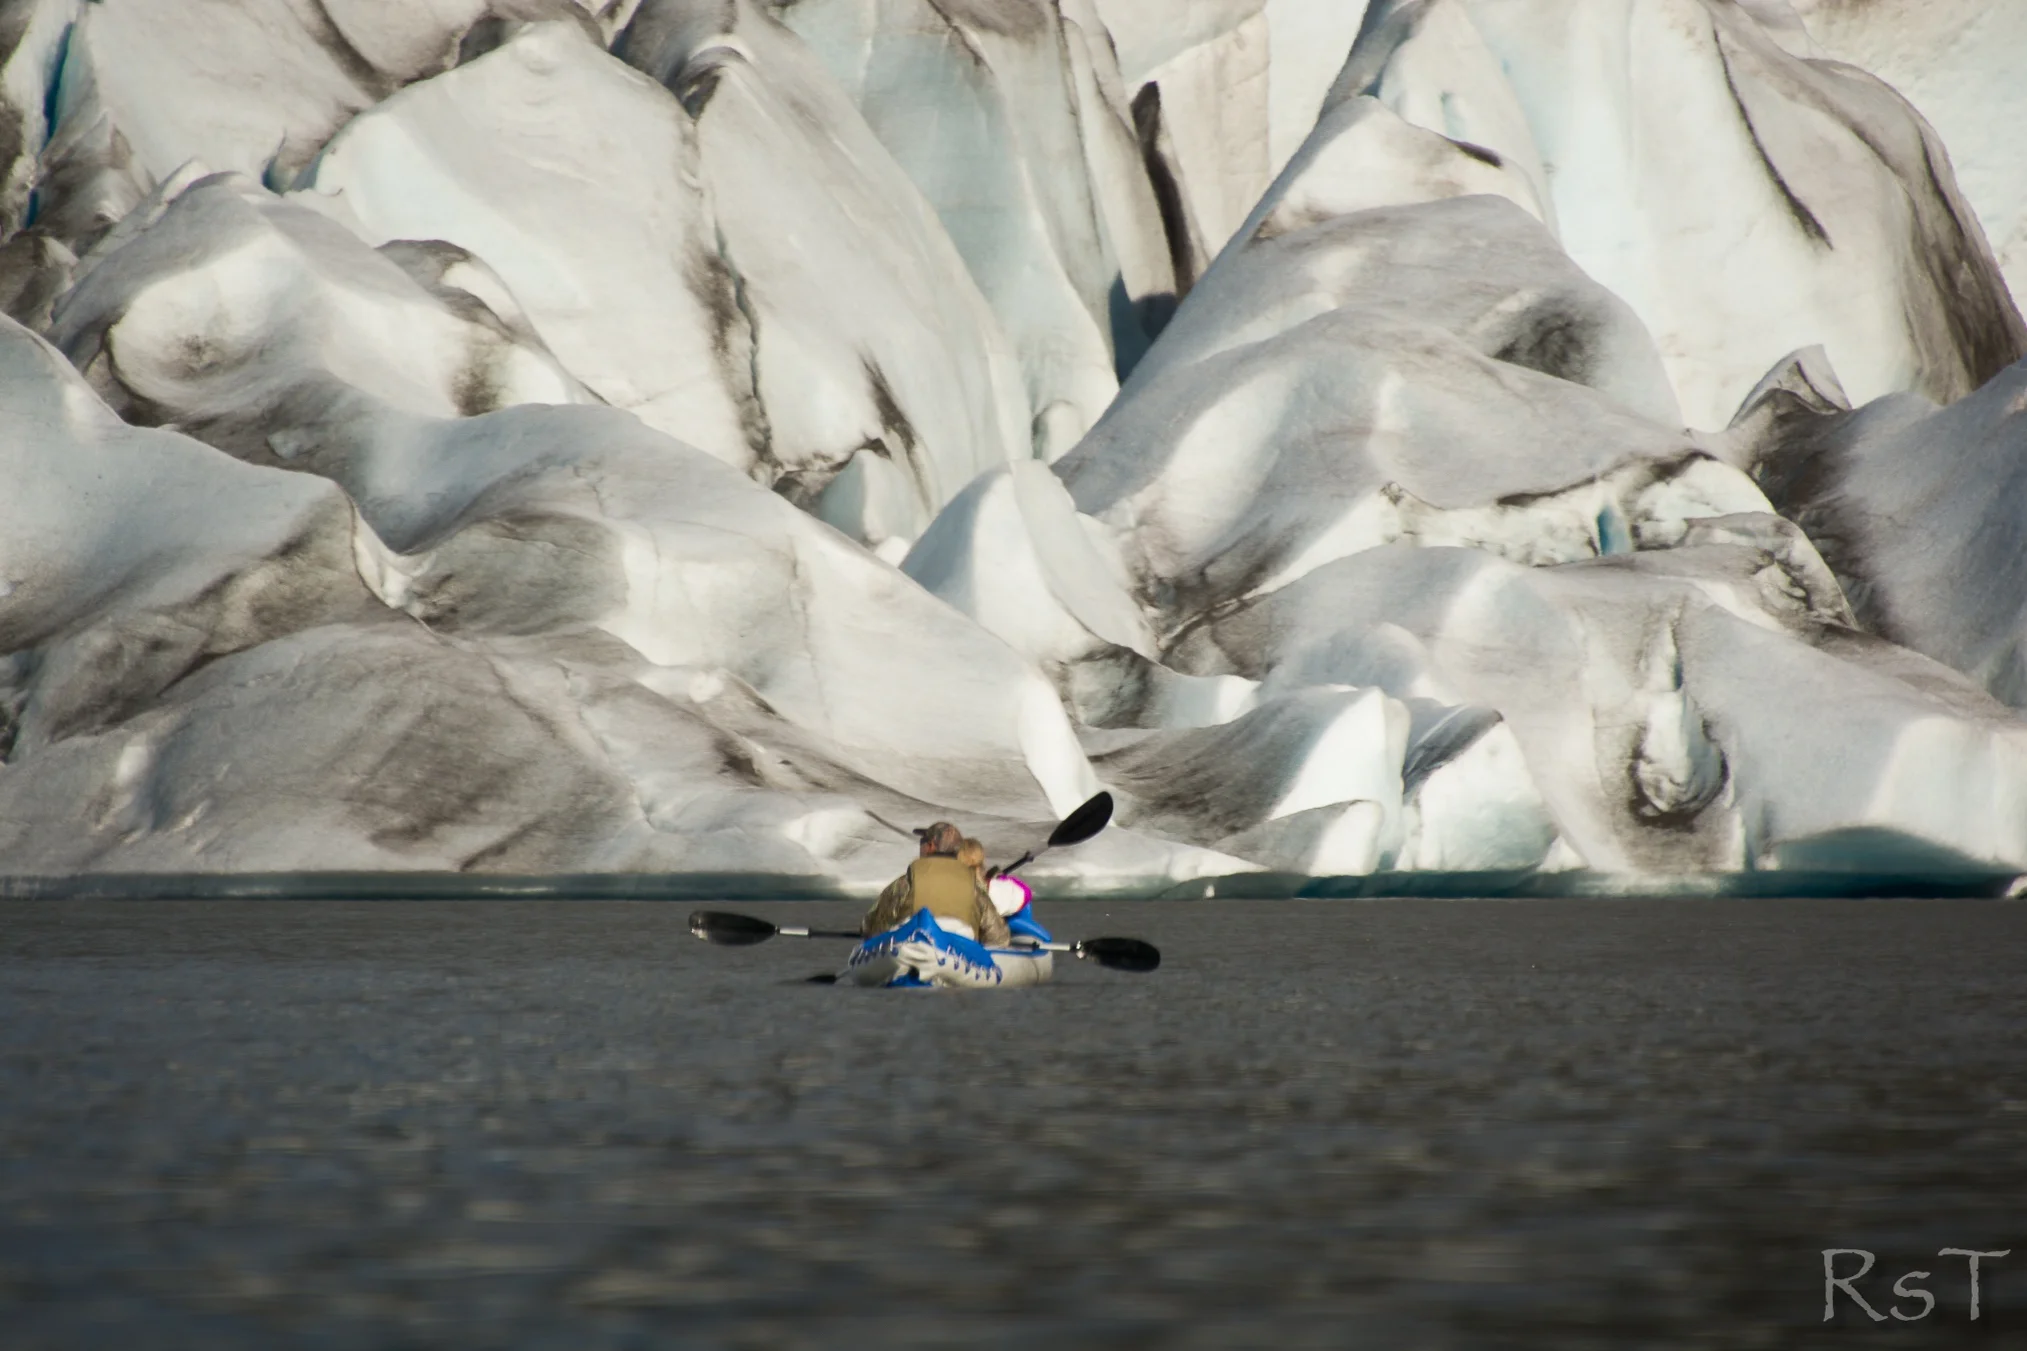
column 922, row 954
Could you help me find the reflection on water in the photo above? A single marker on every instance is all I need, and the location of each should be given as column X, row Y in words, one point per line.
column 1384, row 1123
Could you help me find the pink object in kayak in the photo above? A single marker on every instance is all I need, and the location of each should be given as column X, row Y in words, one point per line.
column 1009, row 895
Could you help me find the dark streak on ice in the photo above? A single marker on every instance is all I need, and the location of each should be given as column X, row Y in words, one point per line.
column 1003, row 18
column 34, row 274
column 696, row 86
column 1480, row 153
column 476, row 388
column 13, row 128
column 118, row 669
column 1653, row 471
column 1793, row 434
column 523, row 572
column 892, row 419
column 1556, row 340
column 735, row 339
column 487, row 35
column 1804, row 218
column 1456, row 731
column 17, row 680
column 897, row 433
column 1167, row 190
column 1976, row 307
column 370, row 79
column 1682, row 819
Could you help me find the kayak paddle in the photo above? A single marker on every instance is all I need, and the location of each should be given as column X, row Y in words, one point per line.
column 1121, row 954
column 1079, row 826
column 743, row 931
column 737, row 931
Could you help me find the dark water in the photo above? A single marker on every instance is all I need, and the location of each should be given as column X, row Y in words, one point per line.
column 1386, row 1124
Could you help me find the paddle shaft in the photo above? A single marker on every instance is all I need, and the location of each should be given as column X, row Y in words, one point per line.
column 793, row 931
column 1017, row 864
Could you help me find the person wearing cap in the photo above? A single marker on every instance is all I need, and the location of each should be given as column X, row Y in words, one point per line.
column 944, row 885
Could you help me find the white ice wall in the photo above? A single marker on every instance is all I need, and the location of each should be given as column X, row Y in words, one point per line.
column 698, row 435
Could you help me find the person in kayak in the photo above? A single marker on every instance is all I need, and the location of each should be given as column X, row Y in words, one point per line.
column 944, row 885
column 972, row 855
column 1009, row 895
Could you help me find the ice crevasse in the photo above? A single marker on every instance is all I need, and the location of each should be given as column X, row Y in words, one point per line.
column 526, row 436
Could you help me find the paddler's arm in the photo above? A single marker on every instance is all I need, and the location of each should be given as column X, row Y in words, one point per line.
column 985, row 918
column 890, row 909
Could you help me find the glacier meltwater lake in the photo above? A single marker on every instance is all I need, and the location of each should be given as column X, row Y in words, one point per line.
column 1334, row 1124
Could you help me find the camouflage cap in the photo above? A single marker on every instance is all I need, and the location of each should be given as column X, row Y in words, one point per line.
column 940, row 838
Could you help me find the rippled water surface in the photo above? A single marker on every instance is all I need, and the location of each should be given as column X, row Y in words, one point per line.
column 1333, row 1124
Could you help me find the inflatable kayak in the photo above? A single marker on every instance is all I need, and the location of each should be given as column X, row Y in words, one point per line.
column 925, row 954
column 922, row 953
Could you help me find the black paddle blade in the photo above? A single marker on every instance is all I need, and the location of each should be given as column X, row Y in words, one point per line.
column 730, row 930
column 1081, row 824
column 1121, row 954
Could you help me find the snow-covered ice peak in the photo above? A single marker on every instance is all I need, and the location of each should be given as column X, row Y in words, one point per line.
column 272, row 332
column 880, row 380
column 619, row 270
column 1744, row 200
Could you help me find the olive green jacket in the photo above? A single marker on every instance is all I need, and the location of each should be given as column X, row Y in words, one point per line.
column 944, row 887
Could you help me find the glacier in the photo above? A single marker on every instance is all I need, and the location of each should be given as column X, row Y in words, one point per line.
column 1538, row 439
